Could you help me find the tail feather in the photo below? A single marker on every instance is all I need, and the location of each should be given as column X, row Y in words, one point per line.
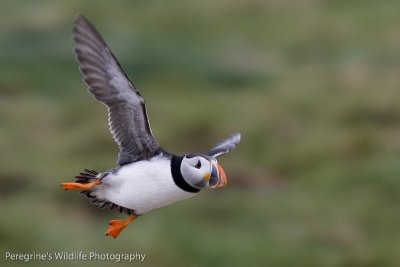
column 86, row 176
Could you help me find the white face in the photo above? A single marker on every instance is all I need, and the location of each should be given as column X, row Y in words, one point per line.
column 196, row 171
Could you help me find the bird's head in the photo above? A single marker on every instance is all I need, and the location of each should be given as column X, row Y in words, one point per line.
column 202, row 170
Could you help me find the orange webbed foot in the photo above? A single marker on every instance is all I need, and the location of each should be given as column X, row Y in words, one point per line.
column 116, row 226
column 79, row 186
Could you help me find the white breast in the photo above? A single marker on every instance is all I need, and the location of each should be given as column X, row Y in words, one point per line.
column 142, row 186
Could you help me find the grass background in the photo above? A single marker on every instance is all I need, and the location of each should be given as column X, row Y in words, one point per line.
column 313, row 86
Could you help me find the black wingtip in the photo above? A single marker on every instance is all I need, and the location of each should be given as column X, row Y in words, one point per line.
column 79, row 17
column 83, row 27
column 80, row 20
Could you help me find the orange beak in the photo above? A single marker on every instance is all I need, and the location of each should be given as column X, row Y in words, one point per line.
column 218, row 177
column 223, row 181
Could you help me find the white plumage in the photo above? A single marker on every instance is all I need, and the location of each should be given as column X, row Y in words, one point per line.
column 142, row 186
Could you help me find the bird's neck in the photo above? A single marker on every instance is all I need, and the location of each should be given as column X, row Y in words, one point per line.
column 177, row 175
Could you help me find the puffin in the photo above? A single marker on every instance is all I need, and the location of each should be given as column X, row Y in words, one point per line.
column 147, row 176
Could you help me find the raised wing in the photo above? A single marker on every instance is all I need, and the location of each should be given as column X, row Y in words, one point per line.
column 127, row 117
column 225, row 146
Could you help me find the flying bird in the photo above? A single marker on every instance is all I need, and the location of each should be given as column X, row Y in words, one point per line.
column 147, row 176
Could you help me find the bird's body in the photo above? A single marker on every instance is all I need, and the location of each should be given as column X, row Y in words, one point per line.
column 148, row 177
column 130, row 186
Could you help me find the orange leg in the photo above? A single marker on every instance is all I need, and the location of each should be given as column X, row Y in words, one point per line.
column 116, row 226
column 79, row 186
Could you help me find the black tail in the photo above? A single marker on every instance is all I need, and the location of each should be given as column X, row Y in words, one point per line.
column 86, row 176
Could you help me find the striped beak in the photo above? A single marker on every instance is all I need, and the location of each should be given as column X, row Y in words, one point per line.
column 218, row 177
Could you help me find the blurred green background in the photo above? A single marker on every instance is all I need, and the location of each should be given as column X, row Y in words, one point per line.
column 313, row 86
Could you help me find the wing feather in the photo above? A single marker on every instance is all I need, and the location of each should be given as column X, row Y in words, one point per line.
column 127, row 116
column 225, row 146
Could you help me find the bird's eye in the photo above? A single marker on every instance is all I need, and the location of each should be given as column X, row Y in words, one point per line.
column 198, row 165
